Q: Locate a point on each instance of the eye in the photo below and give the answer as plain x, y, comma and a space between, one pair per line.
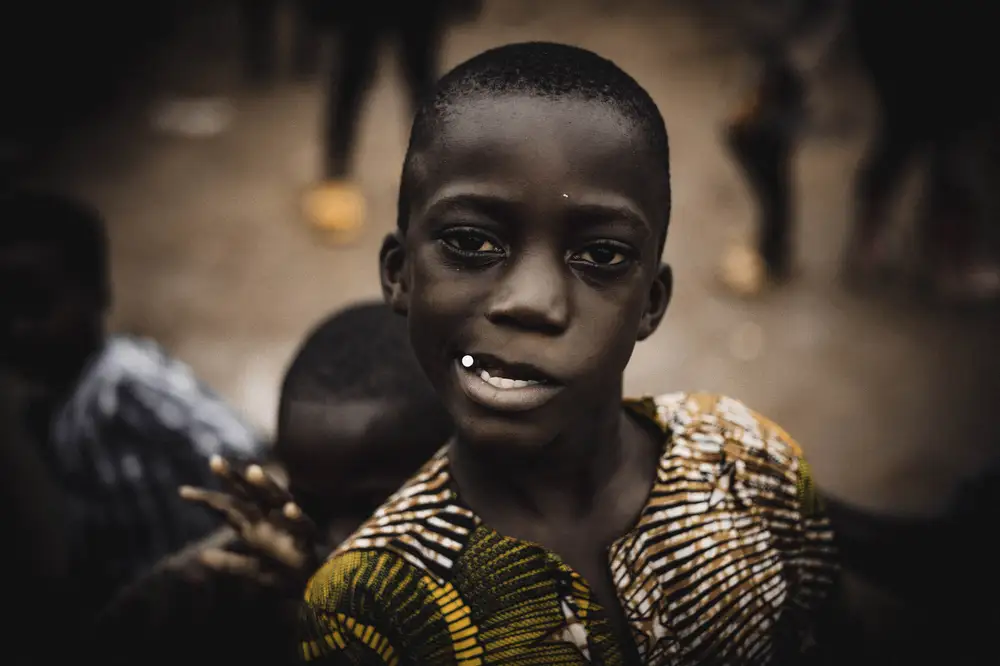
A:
470, 243
602, 255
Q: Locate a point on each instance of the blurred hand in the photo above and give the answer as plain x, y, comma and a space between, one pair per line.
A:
276, 544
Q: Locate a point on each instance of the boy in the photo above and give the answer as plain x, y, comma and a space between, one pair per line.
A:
559, 525
120, 423
356, 418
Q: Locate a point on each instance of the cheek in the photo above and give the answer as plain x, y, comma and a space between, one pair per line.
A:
442, 300
611, 335
429, 339
441, 288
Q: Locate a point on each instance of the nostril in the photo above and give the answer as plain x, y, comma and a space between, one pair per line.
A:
528, 321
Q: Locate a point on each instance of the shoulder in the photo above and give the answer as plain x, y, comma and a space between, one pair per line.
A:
361, 578
710, 413
129, 360
423, 522
730, 475
373, 605
128, 372
390, 582
100, 395
138, 382
711, 428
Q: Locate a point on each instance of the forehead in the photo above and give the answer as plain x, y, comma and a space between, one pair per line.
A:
539, 145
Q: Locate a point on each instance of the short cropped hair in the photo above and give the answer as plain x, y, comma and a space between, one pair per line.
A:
539, 69
363, 352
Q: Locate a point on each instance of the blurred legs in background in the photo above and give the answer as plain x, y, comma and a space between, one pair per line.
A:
336, 207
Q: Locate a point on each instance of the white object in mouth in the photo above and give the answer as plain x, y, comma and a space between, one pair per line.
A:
505, 382
503, 394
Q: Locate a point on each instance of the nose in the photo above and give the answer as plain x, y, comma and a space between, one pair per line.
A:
533, 295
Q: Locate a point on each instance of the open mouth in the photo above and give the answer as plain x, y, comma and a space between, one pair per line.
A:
504, 387
502, 375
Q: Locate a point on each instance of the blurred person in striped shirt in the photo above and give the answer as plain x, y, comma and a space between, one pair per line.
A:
120, 423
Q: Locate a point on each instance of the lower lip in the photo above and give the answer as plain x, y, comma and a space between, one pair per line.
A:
523, 399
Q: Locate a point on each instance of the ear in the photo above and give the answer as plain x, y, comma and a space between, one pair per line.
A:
392, 272
656, 303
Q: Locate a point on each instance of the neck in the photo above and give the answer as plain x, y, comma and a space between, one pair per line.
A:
565, 480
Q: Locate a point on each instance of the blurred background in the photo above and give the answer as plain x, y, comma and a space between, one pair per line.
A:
147, 111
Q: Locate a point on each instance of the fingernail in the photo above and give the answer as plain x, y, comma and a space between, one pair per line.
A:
255, 474
217, 463
292, 511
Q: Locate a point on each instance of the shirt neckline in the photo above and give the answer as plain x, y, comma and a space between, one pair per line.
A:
644, 409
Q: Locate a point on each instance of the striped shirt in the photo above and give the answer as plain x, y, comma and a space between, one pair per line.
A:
731, 562
137, 426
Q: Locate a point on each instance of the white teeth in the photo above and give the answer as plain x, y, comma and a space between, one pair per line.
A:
505, 383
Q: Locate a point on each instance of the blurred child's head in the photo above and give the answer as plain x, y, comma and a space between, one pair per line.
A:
533, 210
356, 418
53, 283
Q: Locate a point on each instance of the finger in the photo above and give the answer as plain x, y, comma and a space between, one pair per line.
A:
278, 546
233, 564
236, 512
283, 541
218, 465
266, 484
253, 485
298, 522
232, 479
186, 565
292, 511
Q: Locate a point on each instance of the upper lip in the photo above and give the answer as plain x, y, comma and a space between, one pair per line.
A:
516, 370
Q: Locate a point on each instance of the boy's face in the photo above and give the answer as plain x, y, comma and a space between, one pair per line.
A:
49, 322
344, 461
532, 247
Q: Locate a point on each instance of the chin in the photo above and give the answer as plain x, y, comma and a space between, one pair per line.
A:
503, 436
505, 420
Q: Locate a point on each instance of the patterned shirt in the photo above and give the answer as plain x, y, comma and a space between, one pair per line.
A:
137, 426
730, 562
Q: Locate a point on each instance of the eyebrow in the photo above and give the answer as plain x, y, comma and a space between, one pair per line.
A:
616, 211
597, 210
492, 204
